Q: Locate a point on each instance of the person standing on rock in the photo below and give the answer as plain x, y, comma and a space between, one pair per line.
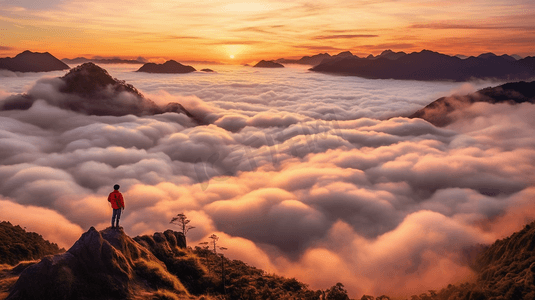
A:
117, 203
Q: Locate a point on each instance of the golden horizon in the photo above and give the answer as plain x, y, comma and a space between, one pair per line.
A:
263, 29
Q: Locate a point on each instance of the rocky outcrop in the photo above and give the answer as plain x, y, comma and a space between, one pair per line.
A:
439, 112
28, 61
169, 67
267, 64
100, 265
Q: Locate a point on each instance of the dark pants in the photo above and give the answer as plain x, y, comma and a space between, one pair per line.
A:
116, 214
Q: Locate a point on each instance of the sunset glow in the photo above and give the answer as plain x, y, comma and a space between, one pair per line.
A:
264, 29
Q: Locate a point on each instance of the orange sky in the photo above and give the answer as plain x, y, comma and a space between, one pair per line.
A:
263, 29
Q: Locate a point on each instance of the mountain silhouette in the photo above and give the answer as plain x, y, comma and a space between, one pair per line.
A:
268, 64
28, 61
169, 67
439, 111
90, 90
429, 65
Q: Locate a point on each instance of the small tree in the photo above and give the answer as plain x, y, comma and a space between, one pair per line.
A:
214, 238
182, 221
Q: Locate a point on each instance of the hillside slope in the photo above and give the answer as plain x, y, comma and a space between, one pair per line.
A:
17, 245
429, 66
506, 271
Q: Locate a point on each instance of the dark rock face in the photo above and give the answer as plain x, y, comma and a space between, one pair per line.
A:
100, 265
169, 67
429, 65
207, 70
439, 111
268, 64
28, 61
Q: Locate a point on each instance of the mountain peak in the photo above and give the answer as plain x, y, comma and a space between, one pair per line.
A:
344, 54
90, 80
487, 55
388, 51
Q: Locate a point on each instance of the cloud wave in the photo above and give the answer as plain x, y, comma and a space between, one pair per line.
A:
296, 179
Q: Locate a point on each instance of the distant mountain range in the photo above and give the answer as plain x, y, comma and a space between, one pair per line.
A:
424, 65
439, 111
81, 60
428, 65
169, 67
28, 61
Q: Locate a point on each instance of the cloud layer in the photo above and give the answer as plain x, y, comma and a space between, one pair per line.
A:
302, 174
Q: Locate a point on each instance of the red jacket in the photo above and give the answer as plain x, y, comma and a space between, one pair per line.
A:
116, 199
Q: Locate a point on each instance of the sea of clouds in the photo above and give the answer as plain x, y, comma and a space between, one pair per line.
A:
306, 175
